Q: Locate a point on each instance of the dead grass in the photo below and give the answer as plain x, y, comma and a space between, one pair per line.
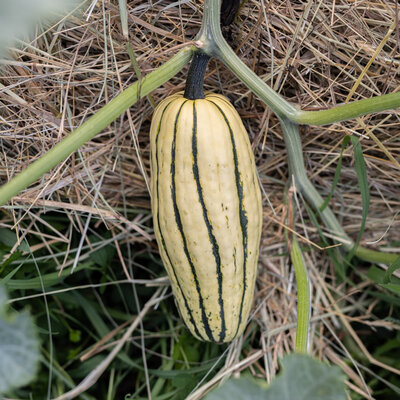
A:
313, 53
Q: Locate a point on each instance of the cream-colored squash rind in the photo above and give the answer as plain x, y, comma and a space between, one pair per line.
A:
207, 212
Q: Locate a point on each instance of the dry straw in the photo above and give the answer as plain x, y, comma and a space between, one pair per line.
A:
314, 53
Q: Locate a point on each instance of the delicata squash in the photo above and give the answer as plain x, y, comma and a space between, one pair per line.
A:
206, 207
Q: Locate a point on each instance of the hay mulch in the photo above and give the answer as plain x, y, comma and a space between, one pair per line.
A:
312, 53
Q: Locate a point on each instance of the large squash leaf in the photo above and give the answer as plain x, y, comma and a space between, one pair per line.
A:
19, 347
302, 378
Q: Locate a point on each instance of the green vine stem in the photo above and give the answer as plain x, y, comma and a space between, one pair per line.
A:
296, 168
95, 124
214, 44
303, 297
350, 110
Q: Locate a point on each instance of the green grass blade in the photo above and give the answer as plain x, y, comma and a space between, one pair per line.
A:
335, 179
393, 267
123, 15
303, 297
34, 283
93, 316
362, 178
393, 287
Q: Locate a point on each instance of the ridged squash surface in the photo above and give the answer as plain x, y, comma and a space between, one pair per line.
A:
207, 212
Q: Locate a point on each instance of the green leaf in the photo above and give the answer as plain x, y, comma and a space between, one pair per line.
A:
13, 257
48, 280
361, 171
204, 367
75, 335
104, 255
303, 297
243, 388
380, 277
93, 315
186, 349
392, 287
393, 267
362, 178
3, 302
185, 385
302, 378
9, 238
19, 347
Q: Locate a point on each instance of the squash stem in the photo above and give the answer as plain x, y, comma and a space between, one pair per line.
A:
195, 80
